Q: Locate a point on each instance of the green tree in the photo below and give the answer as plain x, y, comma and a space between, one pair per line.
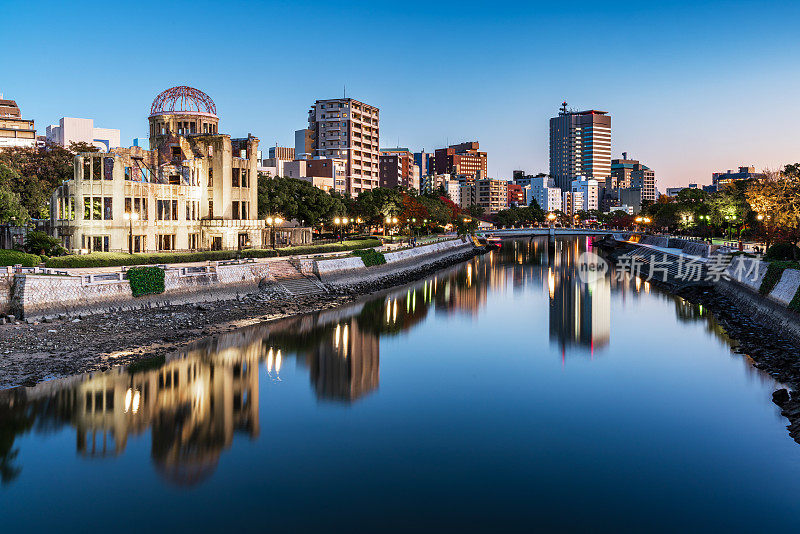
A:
11, 208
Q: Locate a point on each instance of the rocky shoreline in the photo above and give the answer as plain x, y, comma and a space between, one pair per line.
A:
766, 347
31, 353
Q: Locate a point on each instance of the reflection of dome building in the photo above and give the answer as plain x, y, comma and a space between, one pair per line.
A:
345, 366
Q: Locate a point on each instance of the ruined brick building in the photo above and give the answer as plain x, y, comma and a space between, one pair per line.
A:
196, 189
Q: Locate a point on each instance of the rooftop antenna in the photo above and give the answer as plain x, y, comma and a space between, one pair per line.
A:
344, 92
563, 108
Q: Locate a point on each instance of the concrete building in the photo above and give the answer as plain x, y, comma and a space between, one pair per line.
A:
721, 179
631, 196
282, 153
344, 128
514, 194
673, 191
397, 168
465, 159
547, 196
587, 190
489, 193
196, 189
626, 173
580, 145
74, 130
14, 130
444, 182
426, 163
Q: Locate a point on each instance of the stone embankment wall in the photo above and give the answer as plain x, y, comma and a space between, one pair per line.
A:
351, 270
37, 295
746, 277
6, 285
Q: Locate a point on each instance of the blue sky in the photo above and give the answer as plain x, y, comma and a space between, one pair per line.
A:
692, 87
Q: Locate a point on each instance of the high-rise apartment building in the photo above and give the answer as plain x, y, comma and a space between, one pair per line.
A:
489, 193
344, 128
14, 130
397, 168
464, 159
585, 194
627, 173
580, 146
515, 195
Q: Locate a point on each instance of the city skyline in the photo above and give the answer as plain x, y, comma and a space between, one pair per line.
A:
715, 99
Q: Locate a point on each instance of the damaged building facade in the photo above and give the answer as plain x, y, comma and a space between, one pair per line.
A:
196, 189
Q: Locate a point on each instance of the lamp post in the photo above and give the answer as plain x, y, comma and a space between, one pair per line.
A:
272, 221
551, 217
130, 216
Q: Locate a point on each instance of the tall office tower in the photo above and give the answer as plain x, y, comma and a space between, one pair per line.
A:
344, 128
463, 159
580, 146
627, 173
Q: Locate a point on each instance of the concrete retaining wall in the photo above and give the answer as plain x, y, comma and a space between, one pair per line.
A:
656, 241
786, 288
423, 250
747, 271
6, 286
328, 268
37, 296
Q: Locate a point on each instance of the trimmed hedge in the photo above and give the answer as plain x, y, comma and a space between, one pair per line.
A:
782, 251
115, 259
355, 244
370, 257
146, 280
16, 257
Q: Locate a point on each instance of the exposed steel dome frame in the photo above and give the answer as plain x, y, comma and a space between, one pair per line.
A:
183, 99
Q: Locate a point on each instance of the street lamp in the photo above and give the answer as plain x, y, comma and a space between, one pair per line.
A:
272, 221
130, 216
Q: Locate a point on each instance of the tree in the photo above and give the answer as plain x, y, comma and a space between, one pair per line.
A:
11, 208
776, 198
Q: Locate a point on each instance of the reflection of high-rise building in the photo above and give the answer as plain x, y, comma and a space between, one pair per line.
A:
579, 311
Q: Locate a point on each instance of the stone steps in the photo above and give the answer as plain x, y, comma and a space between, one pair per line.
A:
295, 282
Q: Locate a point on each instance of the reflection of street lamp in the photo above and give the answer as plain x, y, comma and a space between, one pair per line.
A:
131, 216
551, 217
272, 221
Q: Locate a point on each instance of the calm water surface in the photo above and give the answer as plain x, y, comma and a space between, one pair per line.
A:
500, 395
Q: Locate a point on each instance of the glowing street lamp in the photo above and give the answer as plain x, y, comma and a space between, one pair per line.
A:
272, 221
130, 216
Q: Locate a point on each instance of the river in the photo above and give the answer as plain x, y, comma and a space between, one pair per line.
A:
504, 394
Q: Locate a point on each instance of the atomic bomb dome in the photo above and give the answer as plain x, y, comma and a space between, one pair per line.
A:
183, 100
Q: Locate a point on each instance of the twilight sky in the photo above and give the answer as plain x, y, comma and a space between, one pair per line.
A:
692, 86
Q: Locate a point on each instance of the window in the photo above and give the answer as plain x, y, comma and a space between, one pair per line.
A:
174, 179
96, 168
210, 209
176, 153
97, 208
194, 241
127, 173
235, 177
210, 177
129, 205
87, 168
235, 210
174, 210
245, 178
244, 208
166, 242
108, 213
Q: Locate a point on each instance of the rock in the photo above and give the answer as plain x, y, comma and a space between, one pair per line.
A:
30, 321
11, 318
76, 320
780, 396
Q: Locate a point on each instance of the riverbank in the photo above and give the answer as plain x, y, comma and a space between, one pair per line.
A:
56, 348
763, 330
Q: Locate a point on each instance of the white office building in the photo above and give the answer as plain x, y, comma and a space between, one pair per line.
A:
73, 130
589, 192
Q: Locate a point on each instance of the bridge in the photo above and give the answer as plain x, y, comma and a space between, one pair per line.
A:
527, 232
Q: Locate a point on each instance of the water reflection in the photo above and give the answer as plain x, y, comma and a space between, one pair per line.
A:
195, 402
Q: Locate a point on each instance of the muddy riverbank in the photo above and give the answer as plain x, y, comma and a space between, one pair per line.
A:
30, 353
